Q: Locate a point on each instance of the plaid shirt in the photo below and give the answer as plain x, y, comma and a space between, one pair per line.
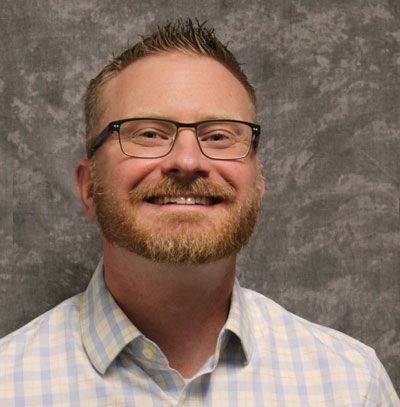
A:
85, 352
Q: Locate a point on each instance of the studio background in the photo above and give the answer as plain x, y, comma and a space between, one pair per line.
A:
327, 80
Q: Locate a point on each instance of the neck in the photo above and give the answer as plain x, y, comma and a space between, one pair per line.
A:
182, 308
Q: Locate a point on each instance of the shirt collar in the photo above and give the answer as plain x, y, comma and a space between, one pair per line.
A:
239, 322
106, 330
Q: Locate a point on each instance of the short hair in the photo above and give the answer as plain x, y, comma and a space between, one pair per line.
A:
187, 36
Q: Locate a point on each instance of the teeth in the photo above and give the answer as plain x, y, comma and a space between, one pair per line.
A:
182, 200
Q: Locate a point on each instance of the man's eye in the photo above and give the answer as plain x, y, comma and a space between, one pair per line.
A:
146, 137
217, 137
149, 134
214, 137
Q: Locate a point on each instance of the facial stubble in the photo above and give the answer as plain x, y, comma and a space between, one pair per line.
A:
177, 238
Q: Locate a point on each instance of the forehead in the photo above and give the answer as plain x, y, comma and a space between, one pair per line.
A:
179, 86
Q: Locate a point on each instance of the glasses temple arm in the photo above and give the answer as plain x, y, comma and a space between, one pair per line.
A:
256, 137
99, 140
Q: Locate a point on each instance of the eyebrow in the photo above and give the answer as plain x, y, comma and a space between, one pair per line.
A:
206, 117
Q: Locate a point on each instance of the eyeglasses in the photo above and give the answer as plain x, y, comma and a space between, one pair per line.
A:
155, 138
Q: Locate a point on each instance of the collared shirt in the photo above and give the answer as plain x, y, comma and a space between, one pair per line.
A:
86, 352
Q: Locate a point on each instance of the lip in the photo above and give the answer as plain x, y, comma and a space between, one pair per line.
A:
188, 203
186, 200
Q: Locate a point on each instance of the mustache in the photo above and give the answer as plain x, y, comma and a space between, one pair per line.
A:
199, 187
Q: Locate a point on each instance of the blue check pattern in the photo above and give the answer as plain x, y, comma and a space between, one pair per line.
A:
85, 352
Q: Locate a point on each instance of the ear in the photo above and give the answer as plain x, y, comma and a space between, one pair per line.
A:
261, 186
83, 183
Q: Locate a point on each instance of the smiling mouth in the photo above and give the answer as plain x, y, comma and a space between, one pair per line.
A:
183, 200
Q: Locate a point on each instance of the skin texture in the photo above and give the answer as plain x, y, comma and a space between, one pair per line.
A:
165, 299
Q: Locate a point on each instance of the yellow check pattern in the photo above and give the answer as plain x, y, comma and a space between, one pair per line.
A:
85, 352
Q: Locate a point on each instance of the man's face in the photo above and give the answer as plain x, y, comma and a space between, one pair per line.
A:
129, 192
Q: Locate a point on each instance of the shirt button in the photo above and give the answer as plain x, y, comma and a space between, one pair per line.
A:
149, 352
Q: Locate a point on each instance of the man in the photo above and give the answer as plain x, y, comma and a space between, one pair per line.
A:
173, 180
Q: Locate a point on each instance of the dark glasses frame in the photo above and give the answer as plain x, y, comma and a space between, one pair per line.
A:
115, 126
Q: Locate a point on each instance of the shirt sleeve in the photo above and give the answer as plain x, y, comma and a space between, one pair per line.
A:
386, 394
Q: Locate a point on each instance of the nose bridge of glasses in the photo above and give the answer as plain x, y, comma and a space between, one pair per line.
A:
180, 126
192, 127
186, 142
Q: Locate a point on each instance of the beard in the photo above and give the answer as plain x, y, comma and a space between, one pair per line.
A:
177, 238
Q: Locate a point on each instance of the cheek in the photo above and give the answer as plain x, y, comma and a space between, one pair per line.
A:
130, 172
241, 175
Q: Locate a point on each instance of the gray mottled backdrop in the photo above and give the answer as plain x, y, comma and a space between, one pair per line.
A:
327, 76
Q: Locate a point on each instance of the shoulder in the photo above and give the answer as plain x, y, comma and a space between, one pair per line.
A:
53, 328
300, 354
307, 344
274, 319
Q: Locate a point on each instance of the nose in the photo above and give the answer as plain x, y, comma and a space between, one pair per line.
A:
186, 161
